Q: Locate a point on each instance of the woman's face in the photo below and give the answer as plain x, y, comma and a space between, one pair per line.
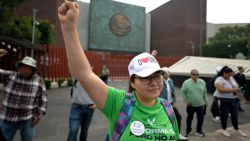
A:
148, 88
227, 75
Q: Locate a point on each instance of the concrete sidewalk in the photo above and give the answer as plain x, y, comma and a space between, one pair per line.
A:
217, 136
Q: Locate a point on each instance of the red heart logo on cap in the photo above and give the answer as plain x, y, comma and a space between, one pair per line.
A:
144, 60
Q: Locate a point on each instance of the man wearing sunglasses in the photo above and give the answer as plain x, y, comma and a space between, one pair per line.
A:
194, 94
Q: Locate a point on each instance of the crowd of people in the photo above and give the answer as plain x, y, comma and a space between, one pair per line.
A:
146, 112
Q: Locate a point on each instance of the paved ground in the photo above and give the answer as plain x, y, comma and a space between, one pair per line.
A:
54, 126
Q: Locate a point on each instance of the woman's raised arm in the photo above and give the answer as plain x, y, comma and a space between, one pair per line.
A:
79, 66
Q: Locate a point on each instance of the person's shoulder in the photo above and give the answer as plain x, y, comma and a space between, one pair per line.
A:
165, 80
219, 78
237, 74
187, 80
170, 79
114, 90
38, 79
36, 76
202, 81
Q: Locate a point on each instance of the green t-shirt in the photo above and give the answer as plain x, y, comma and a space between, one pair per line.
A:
146, 123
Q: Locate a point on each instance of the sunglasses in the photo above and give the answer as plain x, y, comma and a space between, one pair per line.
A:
195, 74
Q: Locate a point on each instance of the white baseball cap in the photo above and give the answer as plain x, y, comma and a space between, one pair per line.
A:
143, 65
28, 61
218, 69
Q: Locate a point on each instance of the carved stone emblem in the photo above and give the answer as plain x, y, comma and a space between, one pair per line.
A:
119, 24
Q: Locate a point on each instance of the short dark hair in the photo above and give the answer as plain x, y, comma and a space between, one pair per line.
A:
193, 71
225, 69
131, 79
240, 67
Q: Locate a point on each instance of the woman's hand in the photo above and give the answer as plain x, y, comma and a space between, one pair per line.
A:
2, 52
93, 107
68, 14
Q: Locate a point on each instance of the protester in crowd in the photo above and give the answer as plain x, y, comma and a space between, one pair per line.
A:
104, 74
25, 100
81, 113
215, 107
211, 87
226, 91
154, 52
148, 115
168, 93
241, 80
2, 52
194, 94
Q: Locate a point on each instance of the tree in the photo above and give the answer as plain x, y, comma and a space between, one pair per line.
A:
228, 42
47, 31
7, 9
22, 27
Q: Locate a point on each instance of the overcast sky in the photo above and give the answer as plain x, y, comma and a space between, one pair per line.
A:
218, 11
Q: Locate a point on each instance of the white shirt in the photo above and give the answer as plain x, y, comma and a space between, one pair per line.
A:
80, 96
226, 84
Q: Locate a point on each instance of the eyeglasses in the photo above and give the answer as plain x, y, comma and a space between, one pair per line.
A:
195, 74
157, 77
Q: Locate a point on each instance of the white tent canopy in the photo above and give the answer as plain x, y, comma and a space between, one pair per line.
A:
207, 65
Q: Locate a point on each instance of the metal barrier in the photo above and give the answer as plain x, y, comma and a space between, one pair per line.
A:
52, 62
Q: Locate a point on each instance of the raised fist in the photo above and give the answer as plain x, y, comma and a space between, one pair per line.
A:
2, 52
68, 12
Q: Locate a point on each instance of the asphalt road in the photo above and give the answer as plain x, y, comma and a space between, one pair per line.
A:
54, 126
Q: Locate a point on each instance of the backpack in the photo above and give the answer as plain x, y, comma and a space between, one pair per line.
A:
211, 87
126, 112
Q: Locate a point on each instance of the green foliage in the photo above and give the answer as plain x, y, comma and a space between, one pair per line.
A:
47, 84
60, 81
22, 27
47, 32
7, 8
228, 42
70, 82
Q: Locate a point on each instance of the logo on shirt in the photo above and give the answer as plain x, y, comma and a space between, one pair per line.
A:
151, 122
